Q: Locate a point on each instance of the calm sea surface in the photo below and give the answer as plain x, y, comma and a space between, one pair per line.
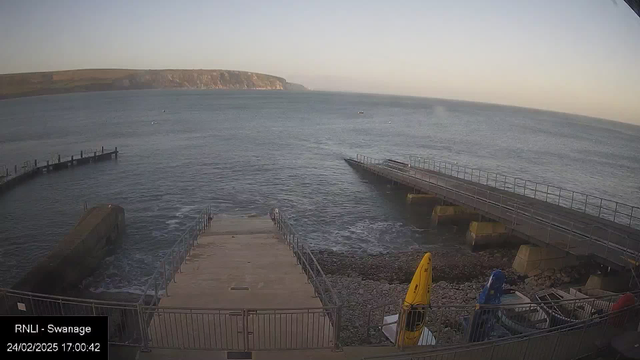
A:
244, 152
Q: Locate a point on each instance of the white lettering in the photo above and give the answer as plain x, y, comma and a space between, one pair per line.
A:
80, 330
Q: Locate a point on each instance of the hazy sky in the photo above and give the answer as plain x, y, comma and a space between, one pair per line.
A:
578, 56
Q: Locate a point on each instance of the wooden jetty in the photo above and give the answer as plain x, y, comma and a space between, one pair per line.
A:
28, 170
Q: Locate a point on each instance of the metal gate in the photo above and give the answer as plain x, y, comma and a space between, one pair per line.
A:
241, 329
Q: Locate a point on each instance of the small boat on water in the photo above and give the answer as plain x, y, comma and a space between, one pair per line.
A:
360, 112
522, 316
564, 308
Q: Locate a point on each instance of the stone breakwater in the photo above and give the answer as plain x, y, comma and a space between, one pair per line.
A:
364, 282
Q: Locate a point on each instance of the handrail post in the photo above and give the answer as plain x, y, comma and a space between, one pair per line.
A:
245, 330
164, 278
336, 327
546, 195
606, 251
402, 318
600, 210
155, 286
586, 201
143, 331
572, 194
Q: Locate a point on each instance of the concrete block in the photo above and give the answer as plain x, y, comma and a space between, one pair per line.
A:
482, 234
452, 214
531, 257
613, 283
78, 254
421, 198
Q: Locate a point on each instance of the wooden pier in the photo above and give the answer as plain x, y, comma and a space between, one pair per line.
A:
28, 170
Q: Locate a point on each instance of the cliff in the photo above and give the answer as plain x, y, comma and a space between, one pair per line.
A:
68, 81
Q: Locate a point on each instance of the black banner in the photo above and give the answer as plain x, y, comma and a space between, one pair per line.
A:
46, 337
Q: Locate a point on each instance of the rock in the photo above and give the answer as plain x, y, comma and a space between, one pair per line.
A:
472, 295
566, 279
530, 281
549, 272
535, 272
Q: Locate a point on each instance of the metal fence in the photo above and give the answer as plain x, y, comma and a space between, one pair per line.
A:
189, 328
573, 235
310, 266
616, 211
125, 325
569, 341
172, 261
305, 259
468, 328
147, 325
241, 329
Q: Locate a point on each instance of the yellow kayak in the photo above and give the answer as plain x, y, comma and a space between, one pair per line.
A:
417, 299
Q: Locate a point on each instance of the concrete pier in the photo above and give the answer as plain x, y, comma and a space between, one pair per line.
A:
580, 228
531, 257
482, 234
452, 214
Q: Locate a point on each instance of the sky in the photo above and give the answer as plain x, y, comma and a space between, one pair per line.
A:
576, 56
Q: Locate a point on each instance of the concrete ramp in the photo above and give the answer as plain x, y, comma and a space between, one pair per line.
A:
241, 288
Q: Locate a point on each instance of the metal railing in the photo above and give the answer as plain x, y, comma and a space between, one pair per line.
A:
616, 211
172, 261
569, 341
369, 160
567, 234
125, 323
241, 329
148, 327
311, 268
305, 259
460, 324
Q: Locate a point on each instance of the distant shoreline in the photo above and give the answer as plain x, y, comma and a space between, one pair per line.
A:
90, 80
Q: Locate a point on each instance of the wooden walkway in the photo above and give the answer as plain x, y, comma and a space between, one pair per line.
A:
28, 170
535, 220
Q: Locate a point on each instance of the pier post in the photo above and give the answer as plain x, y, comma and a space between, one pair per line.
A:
47, 165
35, 163
58, 157
7, 170
15, 170
80, 154
71, 160
116, 151
102, 150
